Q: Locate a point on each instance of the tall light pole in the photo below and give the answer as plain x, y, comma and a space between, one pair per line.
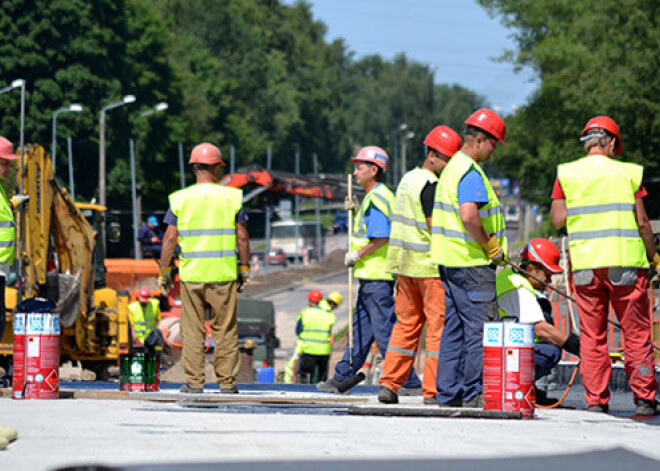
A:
409, 135
74, 107
162, 106
395, 160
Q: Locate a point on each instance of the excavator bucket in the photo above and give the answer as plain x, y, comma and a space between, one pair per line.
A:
68, 304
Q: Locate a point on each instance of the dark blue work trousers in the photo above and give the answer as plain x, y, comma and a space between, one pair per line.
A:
373, 319
470, 299
546, 357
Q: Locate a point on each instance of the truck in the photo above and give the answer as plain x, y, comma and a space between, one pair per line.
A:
295, 237
62, 260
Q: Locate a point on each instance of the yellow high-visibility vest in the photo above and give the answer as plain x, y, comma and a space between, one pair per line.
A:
316, 331
144, 321
7, 230
374, 265
206, 223
451, 245
601, 224
409, 251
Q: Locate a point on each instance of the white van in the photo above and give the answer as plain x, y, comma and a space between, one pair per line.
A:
295, 236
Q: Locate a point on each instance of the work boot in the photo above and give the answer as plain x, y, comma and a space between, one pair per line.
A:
329, 386
188, 390
542, 398
387, 396
410, 391
476, 402
229, 390
645, 407
457, 402
602, 408
430, 401
9, 433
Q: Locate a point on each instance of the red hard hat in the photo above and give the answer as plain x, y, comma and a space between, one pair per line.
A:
206, 154
489, 121
7, 149
608, 124
544, 252
144, 295
314, 296
374, 155
443, 139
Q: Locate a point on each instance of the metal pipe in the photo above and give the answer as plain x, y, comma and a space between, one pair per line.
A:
72, 189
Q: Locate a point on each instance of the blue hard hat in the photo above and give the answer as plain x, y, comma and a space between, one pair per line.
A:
153, 220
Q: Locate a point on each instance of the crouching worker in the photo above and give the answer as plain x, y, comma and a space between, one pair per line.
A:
521, 297
145, 315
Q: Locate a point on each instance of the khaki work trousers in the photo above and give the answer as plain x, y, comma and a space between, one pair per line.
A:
419, 301
221, 299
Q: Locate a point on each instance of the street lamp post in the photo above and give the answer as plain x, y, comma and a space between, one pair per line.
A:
395, 160
74, 107
124, 101
409, 135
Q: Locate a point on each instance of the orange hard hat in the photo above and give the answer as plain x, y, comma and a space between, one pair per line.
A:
443, 139
608, 124
7, 149
489, 121
544, 252
314, 296
144, 295
206, 154
374, 155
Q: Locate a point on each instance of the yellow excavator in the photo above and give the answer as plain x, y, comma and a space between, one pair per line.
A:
62, 260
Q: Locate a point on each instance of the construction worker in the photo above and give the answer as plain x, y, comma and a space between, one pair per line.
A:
520, 297
314, 331
467, 240
374, 314
150, 237
208, 222
419, 292
144, 314
7, 226
599, 200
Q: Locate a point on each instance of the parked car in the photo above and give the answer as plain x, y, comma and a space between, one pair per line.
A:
341, 222
276, 257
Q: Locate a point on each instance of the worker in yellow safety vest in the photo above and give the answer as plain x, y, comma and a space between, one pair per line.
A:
467, 240
420, 296
209, 224
599, 200
144, 314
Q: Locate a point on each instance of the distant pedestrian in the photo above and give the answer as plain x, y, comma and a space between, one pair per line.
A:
467, 240
599, 200
151, 237
420, 296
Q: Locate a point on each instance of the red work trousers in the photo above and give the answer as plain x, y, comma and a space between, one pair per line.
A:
631, 305
418, 301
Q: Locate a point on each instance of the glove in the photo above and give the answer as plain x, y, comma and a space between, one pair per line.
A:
493, 250
572, 345
155, 341
655, 263
18, 200
351, 258
165, 279
243, 277
351, 204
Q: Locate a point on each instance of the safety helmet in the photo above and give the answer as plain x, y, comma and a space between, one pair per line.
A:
7, 149
443, 139
544, 252
144, 295
489, 121
374, 155
608, 124
314, 296
206, 154
336, 297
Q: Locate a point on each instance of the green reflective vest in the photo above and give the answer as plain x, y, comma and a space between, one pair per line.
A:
206, 223
144, 322
409, 251
316, 331
508, 280
7, 230
325, 305
374, 265
451, 245
601, 224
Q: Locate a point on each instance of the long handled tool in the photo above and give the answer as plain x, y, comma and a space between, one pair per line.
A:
350, 271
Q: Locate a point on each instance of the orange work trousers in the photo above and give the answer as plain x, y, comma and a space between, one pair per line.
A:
418, 301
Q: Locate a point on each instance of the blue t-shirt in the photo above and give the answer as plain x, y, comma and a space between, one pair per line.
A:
378, 225
471, 189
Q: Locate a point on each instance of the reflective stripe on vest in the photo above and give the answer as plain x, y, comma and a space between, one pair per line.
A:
144, 322
600, 202
451, 245
409, 252
316, 331
206, 224
7, 231
374, 265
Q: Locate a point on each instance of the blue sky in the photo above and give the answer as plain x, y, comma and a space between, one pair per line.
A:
456, 38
